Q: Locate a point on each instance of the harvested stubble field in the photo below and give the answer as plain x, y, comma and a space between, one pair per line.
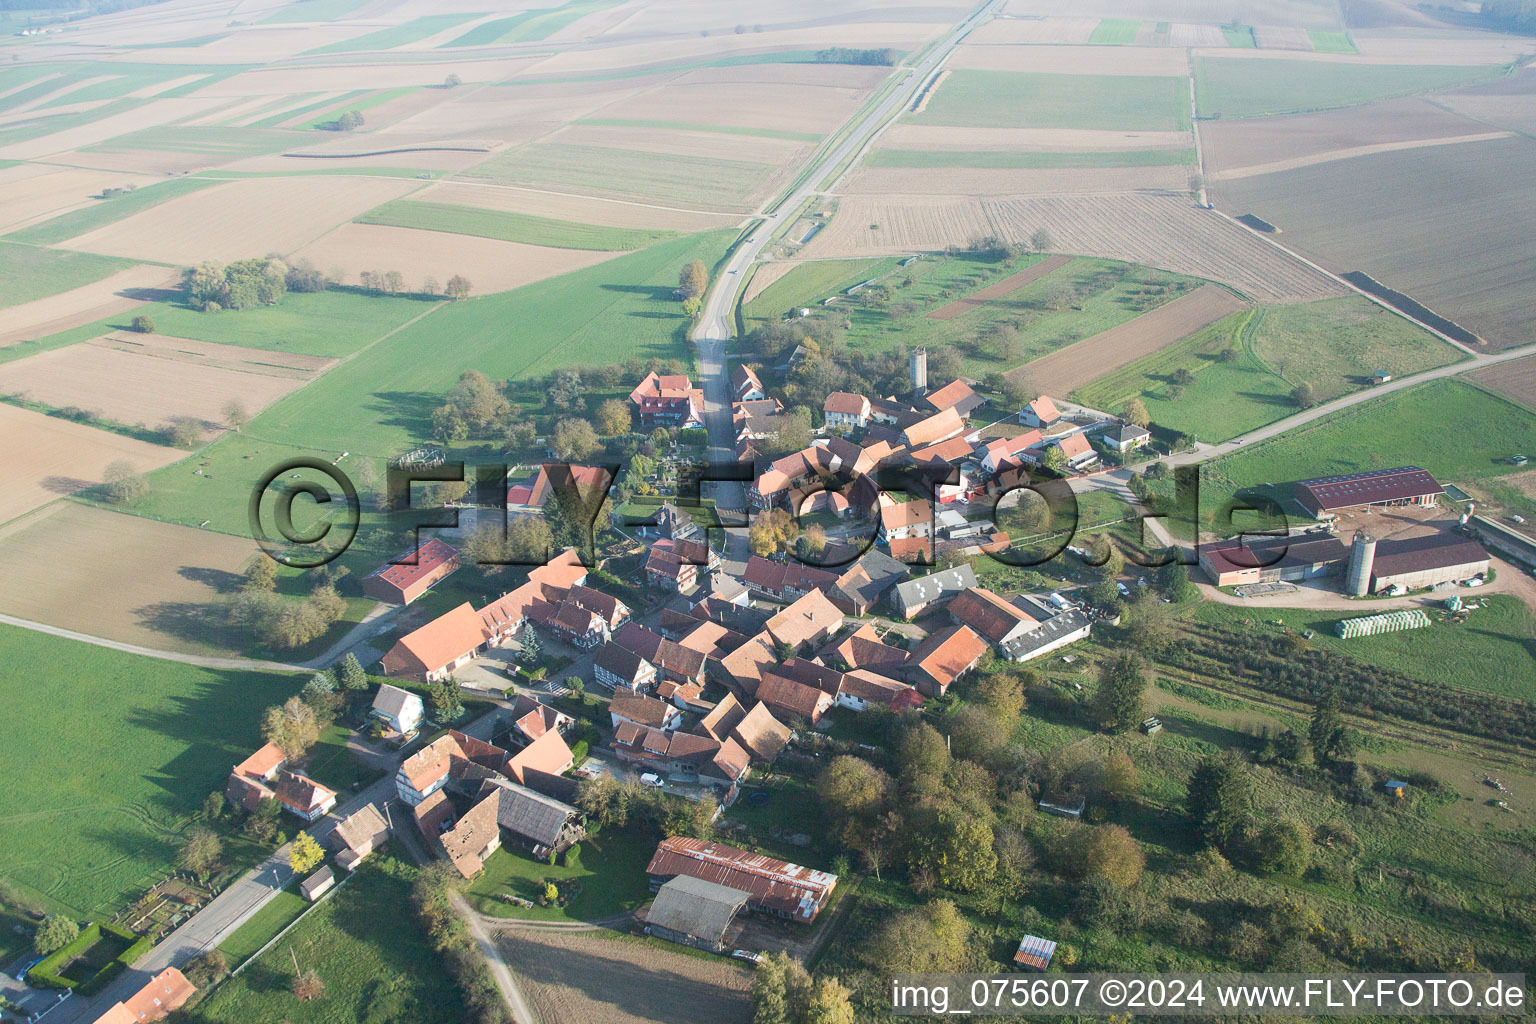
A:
1508, 102
149, 379
243, 218
1025, 181
46, 458
30, 192
1070, 368
1304, 13
706, 183
1165, 231
1028, 31
1516, 379
1450, 226
995, 291
100, 212
616, 213
686, 142
491, 264
1072, 60
979, 99
1246, 147
946, 138
598, 980
121, 576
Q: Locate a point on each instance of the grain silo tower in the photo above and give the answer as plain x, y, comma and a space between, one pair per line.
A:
1362, 558
918, 363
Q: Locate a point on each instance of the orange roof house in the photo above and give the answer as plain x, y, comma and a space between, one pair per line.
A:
941, 426
1039, 413
943, 657
809, 620
431, 653
548, 754
989, 615
957, 395
166, 992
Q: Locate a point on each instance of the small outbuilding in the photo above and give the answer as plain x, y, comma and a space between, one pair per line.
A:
695, 912
1396, 788
318, 884
1035, 952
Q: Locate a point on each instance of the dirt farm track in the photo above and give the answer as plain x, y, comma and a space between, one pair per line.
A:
585, 977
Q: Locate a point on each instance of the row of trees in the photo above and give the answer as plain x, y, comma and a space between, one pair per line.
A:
392, 282
285, 622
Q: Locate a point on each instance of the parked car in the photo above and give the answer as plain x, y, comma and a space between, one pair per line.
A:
1124, 590
747, 955
651, 779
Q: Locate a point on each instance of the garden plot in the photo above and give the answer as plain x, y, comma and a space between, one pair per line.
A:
1159, 231
490, 264
149, 378
246, 218
46, 458
1068, 369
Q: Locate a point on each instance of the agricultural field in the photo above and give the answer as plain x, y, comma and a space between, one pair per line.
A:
510, 227
490, 264
117, 293
242, 218
1516, 379
1490, 652
371, 973
1016, 159
804, 283
93, 821
592, 977
983, 99
153, 379
396, 35
30, 193
104, 211
706, 183
1063, 371
1448, 225
1451, 428
32, 273
47, 457
380, 403
1274, 349
1161, 231
1228, 88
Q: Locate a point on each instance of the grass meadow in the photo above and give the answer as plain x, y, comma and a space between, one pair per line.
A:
708, 183
1333, 345
107, 757
607, 873
529, 26
206, 140
1231, 87
1491, 652
808, 283
510, 226
1013, 99
313, 10
30, 272
373, 974
1115, 32
380, 403
397, 35
331, 324
106, 211
1452, 429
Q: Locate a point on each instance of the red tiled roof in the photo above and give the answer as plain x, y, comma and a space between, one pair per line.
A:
846, 403
1044, 409
950, 395
807, 620
446, 638
788, 889
987, 614
907, 514
795, 698
547, 754
428, 558
268, 758
938, 427
1378, 485
947, 653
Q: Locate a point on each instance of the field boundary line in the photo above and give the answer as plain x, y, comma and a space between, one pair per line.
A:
195, 660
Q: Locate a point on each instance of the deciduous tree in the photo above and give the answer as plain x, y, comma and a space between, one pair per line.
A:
1135, 411
235, 416
458, 287
291, 726
54, 934
124, 485
612, 417
693, 279
305, 855
201, 852
574, 439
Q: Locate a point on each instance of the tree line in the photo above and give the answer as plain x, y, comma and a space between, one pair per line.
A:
882, 57
244, 284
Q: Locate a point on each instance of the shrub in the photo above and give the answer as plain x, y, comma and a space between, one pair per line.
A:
143, 324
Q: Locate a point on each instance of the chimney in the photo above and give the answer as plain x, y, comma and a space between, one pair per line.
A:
918, 363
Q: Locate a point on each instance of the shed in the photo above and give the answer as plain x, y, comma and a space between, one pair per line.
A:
1396, 788
695, 912
317, 884
1035, 952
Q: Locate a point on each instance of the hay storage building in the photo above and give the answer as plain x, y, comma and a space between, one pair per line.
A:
1378, 488
695, 912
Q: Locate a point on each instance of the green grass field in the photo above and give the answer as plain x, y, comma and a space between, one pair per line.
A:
697, 182
396, 35
1011, 99
1115, 32
529, 26
33, 273
1491, 652
330, 323
286, 111
1015, 159
1231, 87
378, 98
106, 211
281, 911
1110, 297
610, 870
511, 227
313, 10
369, 951
104, 773
1331, 42
1240, 37
1334, 345
809, 283
1454, 430
380, 403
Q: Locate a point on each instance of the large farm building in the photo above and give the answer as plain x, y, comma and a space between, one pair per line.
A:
1378, 488
1373, 566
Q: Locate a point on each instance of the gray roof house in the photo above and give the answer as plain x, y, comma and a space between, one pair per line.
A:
540, 821
694, 912
911, 597
1050, 634
400, 709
